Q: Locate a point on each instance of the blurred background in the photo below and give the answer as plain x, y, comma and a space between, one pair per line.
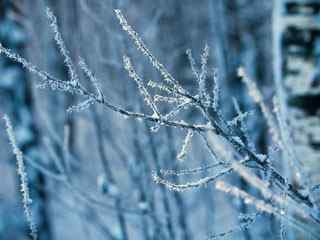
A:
110, 193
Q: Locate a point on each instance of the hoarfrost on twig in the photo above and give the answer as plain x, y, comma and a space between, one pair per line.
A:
26, 199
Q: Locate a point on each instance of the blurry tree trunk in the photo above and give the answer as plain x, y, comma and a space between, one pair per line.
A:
15, 83
297, 39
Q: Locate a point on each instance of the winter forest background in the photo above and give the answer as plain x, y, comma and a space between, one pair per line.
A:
228, 142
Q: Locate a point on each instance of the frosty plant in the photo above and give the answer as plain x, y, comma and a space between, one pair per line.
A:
24, 188
227, 140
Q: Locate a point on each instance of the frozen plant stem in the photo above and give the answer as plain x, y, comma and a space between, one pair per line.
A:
186, 146
26, 199
263, 206
62, 48
256, 95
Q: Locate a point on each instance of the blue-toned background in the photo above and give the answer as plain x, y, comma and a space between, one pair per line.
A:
110, 193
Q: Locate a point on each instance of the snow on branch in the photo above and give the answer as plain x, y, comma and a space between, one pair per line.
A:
185, 146
216, 89
258, 98
260, 205
204, 72
145, 51
24, 188
193, 64
269, 208
194, 184
83, 65
74, 80
191, 171
81, 106
144, 92
48, 81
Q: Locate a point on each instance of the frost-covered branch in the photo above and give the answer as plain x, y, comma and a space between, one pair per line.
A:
63, 49
269, 208
24, 185
258, 98
167, 77
185, 146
